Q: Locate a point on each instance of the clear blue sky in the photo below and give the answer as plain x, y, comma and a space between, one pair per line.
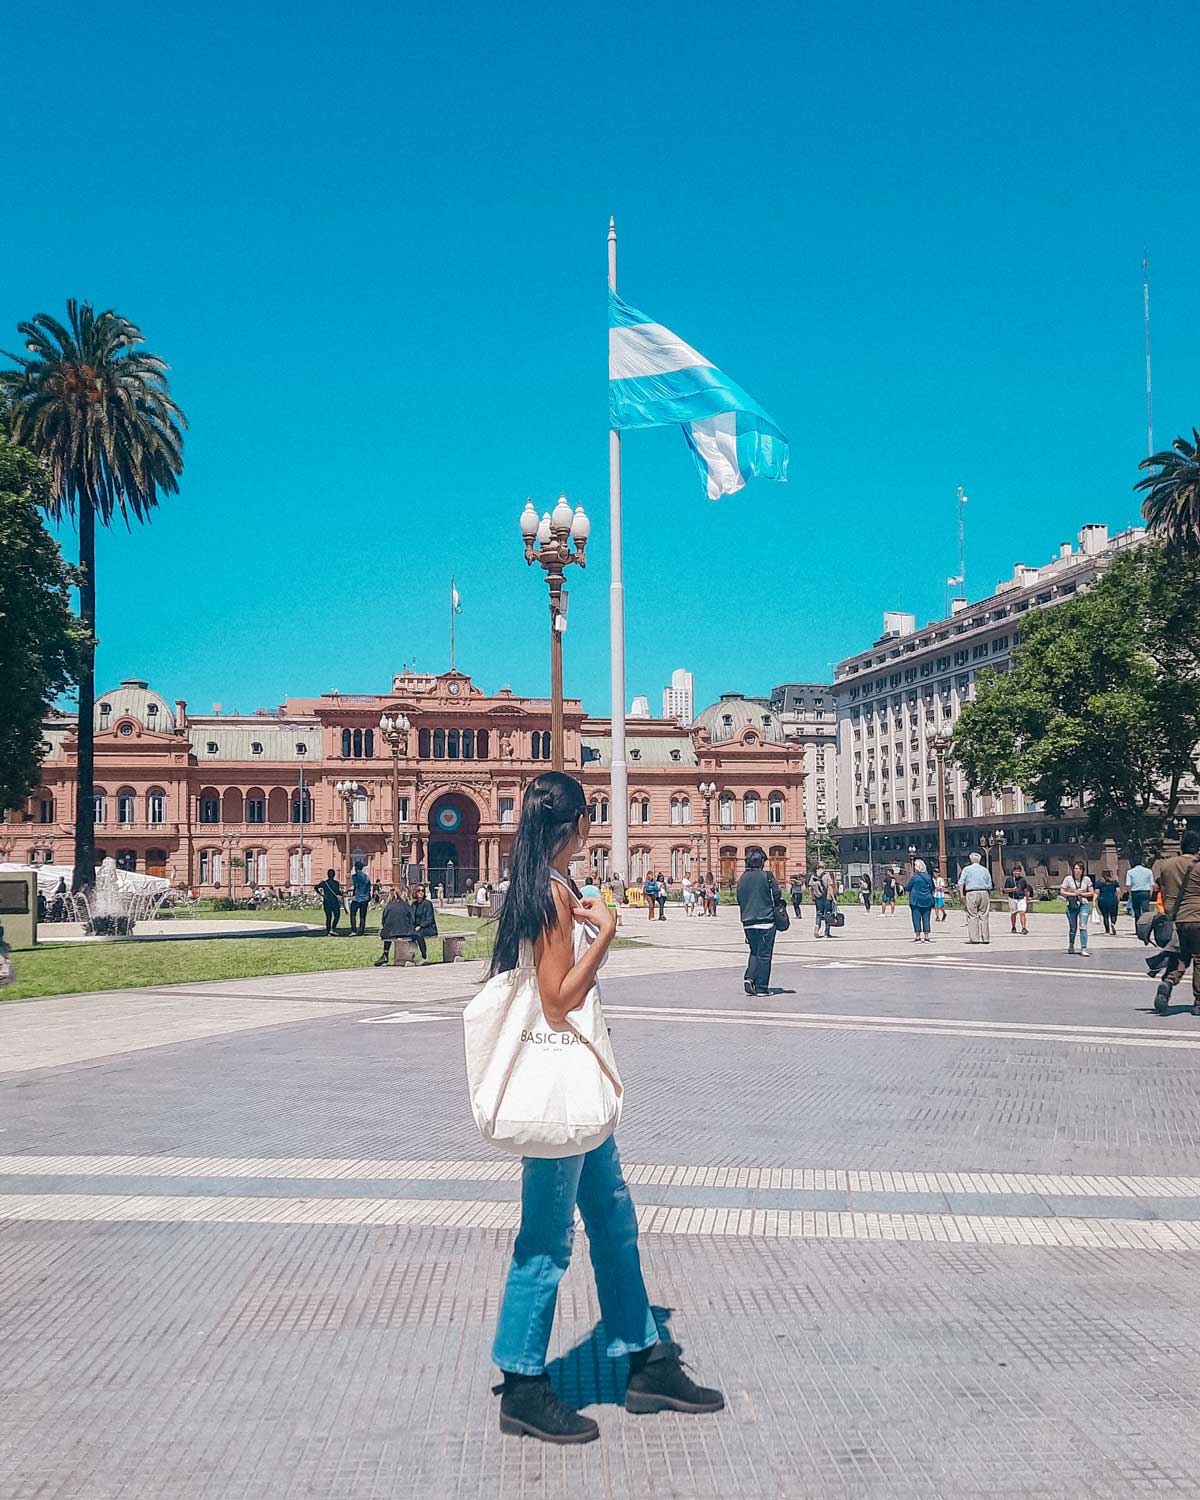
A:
370, 240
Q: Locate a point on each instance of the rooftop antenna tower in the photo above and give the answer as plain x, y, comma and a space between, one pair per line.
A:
960, 582
1149, 386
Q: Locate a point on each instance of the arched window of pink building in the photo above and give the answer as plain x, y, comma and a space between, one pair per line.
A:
302, 811
423, 743
126, 805
725, 810
468, 744
277, 805
231, 805
481, 744
439, 744
453, 745
209, 802
156, 807
750, 809
256, 805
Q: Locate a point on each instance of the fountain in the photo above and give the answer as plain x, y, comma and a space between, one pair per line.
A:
117, 901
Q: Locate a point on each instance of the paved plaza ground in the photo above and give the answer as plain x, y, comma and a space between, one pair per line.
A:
931, 1217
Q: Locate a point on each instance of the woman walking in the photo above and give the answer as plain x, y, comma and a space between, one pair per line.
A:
796, 891
650, 893
712, 893
568, 938
866, 887
888, 894
660, 895
1108, 898
1077, 891
920, 900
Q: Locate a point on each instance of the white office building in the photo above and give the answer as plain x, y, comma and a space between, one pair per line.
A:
679, 700
809, 717
909, 686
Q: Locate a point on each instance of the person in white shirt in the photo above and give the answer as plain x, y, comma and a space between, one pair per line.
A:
1078, 892
689, 897
1139, 882
975, 883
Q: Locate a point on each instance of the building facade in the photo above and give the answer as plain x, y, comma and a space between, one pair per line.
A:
217, 803
910, 686
808, 715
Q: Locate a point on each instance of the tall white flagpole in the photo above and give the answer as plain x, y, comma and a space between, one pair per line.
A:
616, 607
452, 622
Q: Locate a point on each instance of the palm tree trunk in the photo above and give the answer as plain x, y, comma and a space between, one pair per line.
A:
84, 875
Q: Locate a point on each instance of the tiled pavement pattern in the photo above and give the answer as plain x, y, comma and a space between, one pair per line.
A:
932, 1222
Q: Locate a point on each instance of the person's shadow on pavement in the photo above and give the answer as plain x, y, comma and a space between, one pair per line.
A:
586, 1376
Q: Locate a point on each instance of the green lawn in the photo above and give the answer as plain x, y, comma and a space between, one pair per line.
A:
72, 968
69, 968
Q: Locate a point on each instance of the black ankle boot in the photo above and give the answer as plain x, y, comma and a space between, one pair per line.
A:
657, 1382
531, 1407
1162, 998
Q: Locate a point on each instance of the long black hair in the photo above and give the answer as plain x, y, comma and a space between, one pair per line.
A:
550, 814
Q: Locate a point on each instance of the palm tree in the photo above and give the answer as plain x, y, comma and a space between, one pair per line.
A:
1172, 503
99, 412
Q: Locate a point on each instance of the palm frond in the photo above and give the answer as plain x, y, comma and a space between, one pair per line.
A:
1172, 504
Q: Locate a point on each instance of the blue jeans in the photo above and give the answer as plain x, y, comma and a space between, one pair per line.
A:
1077, 921
550, 1190
920, 918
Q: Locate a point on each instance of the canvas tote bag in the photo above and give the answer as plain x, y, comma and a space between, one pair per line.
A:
534, 1090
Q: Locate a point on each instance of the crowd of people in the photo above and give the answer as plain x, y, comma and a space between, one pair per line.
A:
928, 895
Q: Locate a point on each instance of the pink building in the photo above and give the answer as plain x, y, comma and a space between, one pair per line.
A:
220, 802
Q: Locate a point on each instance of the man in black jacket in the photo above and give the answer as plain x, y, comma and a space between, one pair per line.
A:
758, 896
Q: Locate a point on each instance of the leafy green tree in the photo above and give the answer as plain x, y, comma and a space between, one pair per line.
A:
99, 411
42, 645
1172, 503
1101, 705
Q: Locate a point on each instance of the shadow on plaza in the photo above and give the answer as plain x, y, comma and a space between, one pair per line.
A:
586, 1376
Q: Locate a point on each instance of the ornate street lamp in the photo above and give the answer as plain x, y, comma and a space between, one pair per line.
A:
394, 728
347, 791
228, 845
548, 542
708, 790
940, 745
912, 854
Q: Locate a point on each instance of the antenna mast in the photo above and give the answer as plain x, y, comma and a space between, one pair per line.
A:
1149, 386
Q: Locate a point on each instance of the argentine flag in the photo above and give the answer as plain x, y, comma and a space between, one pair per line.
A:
656, 380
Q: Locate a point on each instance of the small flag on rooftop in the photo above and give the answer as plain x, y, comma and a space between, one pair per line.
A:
656, 380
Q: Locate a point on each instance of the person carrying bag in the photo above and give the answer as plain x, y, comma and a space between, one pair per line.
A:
1175, 933
544, 1083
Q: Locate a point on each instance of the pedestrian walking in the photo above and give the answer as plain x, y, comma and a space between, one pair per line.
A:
650, 895
660, 895
759, 898
939, 897
1139, 882
822, 888
360, 899
1179, 886
919, 887
866, 888
1078, 892
1019, 893
396, 923
712, 894
975, 883
1108, 900
688, 891
796, 892
332, 896
567, 938
425, 919
888, 893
